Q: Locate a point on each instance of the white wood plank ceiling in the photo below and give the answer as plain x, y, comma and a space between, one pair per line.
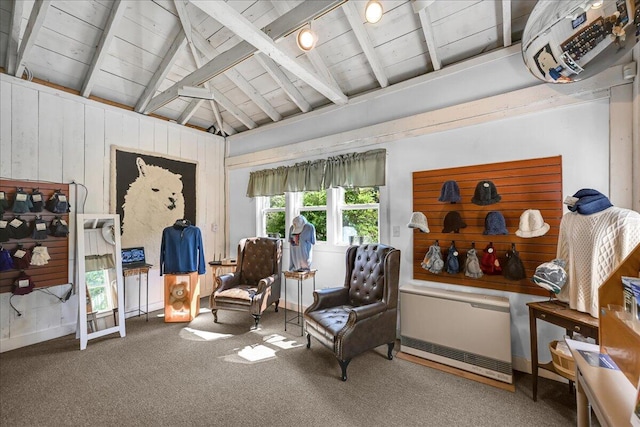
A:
243, 53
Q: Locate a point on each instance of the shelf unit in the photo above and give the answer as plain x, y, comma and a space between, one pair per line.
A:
616, 338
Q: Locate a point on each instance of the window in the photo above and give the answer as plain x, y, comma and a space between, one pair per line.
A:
314, 208
274, 216
337, 214
100, 290
359, 214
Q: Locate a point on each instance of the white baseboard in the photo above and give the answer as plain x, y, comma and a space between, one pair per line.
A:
36, 337
522, 364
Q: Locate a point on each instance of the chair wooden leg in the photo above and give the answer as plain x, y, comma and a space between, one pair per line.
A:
343, 366
308, 340
390, 349
215, 315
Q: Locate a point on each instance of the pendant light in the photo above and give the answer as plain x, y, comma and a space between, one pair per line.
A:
373, 11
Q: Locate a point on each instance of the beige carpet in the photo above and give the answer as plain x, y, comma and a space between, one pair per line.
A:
204, 373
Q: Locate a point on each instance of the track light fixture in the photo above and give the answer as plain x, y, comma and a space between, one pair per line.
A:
306, 39
373, 11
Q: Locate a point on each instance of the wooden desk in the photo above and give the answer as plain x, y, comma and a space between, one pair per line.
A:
607, 391
557, 313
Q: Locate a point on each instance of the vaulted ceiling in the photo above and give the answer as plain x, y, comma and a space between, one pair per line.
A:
241, 55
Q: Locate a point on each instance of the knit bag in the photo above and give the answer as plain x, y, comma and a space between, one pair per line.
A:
39, 229
4, 203
489, 263
21, 257
433, 259
453, 263
59, 227
513, 267
37, 200
21, 202
22, 285
6, 263
58, 203
472, 265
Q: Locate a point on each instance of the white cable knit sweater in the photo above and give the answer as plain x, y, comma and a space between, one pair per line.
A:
593, 246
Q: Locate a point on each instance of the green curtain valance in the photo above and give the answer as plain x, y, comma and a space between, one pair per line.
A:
99, 262
348, 170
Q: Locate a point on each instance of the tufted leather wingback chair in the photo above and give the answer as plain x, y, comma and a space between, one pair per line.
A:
362, 314
256, 281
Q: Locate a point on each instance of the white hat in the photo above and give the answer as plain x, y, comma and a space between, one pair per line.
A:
298, 224
532, 224
418, 220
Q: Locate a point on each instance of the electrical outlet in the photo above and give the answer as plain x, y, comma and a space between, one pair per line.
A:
396, 231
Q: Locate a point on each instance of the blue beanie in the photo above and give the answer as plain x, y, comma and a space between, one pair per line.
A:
494, 223
450, 192
589, 202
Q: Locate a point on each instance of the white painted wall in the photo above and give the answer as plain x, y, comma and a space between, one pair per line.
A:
575, 126
49, 135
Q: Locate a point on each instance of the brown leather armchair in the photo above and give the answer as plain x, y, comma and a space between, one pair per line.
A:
256, 282
362, 314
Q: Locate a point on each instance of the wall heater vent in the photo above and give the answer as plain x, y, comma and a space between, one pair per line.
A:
464, 330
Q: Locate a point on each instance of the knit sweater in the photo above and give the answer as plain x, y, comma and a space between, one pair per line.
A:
593, 246
181, 250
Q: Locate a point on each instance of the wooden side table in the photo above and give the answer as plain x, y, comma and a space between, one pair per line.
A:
138, 271
557, 313
299, 276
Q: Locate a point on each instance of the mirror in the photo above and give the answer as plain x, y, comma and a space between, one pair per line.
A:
568, 41
100, 276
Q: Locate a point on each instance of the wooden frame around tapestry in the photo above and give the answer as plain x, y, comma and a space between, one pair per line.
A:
525, 184
150, 192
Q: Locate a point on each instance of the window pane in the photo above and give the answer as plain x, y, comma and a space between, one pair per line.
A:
360, 222
275, 223
276, 201
315, 198
319, 221
361, 196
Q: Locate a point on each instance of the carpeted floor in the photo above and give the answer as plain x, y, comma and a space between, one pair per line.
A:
204, 373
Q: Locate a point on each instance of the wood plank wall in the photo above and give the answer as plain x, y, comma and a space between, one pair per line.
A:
526, 184
56, 271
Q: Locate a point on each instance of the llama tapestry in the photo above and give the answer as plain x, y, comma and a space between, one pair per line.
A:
150, 193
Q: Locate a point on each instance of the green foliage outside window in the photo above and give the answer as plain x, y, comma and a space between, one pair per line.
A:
317, 218
276, 223
365, 221
98, 289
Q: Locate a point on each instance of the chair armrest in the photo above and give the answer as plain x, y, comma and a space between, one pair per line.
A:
226, 281
331, 297
357, 314
265, 283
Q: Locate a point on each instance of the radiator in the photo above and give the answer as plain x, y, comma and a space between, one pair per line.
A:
464, 330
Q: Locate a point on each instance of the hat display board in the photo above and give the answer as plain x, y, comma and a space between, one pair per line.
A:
532, 184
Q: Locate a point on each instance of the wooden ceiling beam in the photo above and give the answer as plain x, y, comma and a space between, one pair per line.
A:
283, 81
282, 7
279, 28
420, 7
355, 21
13, 41
117, 10
161, 73
183, 15
36, 19
506, 22
241, 26
236, 78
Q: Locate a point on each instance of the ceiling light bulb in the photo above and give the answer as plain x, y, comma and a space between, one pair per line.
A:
373, 11
596, 4
306, 39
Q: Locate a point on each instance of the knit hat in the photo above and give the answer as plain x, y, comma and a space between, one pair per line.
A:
494, 223
453, 222
450, 192
589, 202
419, 221
551, 275
532, 224
486, 194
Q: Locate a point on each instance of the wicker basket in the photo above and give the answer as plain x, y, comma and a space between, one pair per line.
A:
564, 365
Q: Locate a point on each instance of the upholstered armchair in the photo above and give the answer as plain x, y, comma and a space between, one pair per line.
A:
255, 285
362, 314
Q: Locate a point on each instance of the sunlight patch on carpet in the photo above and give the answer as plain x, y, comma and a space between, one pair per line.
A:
257, 353
197, 335
281, 342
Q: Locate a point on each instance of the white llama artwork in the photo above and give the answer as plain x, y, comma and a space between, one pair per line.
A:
153, 202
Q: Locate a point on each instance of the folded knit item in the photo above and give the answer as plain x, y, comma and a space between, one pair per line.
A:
40, 255
589, 202
21, 258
